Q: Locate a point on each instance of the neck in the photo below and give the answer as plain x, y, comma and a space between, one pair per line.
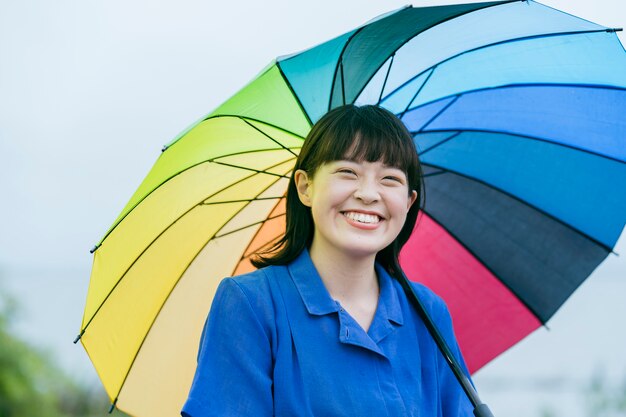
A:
346, 277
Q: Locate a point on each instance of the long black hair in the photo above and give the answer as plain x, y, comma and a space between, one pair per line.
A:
367, 133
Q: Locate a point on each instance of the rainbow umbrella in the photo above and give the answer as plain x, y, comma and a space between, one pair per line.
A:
518, 113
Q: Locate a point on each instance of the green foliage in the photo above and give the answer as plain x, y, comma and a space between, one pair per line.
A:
604, 399
30, 383
548, 412
601, 397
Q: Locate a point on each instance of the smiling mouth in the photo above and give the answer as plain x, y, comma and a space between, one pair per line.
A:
362, 217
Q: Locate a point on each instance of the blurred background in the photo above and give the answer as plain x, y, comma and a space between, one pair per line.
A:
89, 93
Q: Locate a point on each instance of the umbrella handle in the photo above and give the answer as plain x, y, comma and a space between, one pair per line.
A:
480, 409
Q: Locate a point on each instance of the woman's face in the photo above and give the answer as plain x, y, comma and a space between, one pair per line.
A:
358, 208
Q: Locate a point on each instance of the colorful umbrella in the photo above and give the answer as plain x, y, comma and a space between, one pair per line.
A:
517, 111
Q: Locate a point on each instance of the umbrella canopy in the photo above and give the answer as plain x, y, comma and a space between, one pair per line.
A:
517, 112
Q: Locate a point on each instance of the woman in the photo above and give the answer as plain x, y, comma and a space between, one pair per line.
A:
323, 328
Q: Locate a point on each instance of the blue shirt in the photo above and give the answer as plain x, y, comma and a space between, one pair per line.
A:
276, 344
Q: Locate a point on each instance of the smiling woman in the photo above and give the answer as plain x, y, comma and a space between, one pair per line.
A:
324, 327
352, 139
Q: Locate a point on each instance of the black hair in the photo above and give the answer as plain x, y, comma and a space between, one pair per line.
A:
367, 133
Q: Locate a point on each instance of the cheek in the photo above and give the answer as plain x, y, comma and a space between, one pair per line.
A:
399, 203
322, 208
334, 195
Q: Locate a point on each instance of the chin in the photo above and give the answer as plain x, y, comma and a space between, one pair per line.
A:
360, 251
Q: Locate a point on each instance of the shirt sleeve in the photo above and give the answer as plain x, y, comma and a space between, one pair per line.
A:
454, 401
233, 377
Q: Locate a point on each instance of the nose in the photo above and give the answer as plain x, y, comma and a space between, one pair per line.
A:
367, 191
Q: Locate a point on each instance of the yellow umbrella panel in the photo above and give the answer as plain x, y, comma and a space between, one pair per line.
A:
213, 197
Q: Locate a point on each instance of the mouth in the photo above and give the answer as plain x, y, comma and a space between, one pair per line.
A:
365, 218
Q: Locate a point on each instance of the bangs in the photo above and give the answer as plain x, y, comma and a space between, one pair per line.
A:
375, 148
368, 135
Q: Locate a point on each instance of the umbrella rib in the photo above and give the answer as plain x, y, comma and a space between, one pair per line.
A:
525, 203
258, 171
419, 90
424, 30
174, 176
252, 240
535, 138
240, 117
341, 55
382, 90
339, 65
520, 85
479, 260
269, 137
245, 200
170, 293
234, 116
154, 240
434, 174
438, 144
439, 113
520, 39
343, 83
247, 226
293, 92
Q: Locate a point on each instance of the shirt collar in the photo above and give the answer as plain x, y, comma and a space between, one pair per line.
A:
388, 301
318, 301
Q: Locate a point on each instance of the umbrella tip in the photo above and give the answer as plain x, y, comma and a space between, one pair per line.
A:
92, 250
112, 406
164, 148
79, 336
613, 30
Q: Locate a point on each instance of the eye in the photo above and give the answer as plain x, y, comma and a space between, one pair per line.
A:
346, 171
393, 179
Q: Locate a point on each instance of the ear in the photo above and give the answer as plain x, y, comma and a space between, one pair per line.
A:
412, 199
303, 185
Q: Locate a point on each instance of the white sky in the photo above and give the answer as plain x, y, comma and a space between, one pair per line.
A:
91, 90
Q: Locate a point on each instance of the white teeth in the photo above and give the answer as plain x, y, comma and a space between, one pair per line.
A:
362, 217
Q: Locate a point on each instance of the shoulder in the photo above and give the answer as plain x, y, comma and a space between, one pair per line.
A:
250, 283
254, 285
255, 292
